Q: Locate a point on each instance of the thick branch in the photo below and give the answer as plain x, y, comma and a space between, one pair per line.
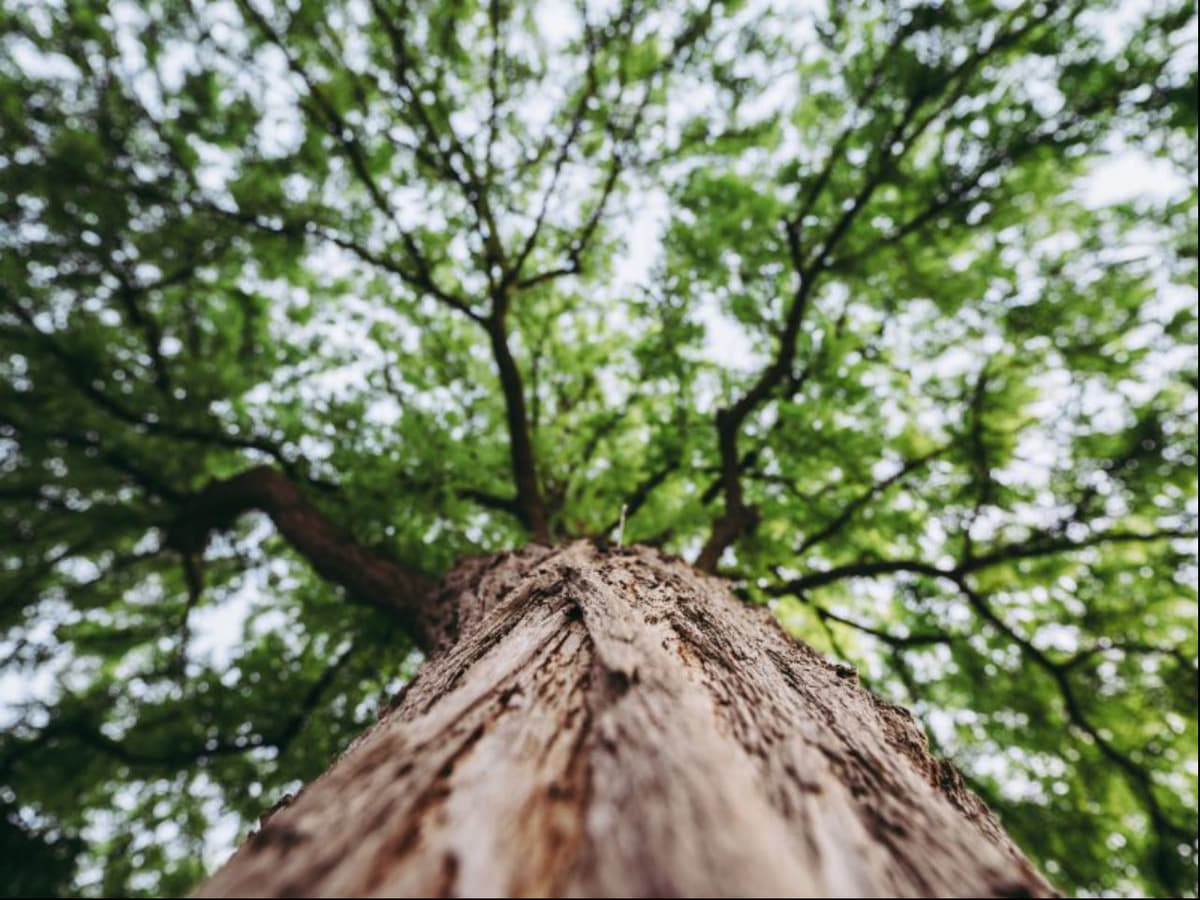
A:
333, 553
524, 464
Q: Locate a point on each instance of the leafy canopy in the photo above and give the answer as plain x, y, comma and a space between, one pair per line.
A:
853, 302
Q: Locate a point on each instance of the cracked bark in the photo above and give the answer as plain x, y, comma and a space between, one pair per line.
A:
614, 723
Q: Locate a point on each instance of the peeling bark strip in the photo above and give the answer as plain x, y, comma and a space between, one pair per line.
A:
617, 724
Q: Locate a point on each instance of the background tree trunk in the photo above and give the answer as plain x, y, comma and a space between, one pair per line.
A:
616, 723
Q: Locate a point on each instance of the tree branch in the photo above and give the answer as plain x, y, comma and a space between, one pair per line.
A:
851, 509
332, 552
905, 132
1137, 777
524, 464
881, 567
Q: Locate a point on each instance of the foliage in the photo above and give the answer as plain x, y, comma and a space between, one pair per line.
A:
848, 300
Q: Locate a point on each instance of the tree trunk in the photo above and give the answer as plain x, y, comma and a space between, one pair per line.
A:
597, 723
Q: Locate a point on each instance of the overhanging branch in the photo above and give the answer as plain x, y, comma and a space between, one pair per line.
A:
333, 553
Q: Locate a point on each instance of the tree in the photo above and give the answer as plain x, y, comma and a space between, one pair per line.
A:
355, 348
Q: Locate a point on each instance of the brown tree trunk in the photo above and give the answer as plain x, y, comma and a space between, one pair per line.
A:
598, 723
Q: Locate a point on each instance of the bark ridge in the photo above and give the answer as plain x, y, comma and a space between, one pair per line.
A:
615, 723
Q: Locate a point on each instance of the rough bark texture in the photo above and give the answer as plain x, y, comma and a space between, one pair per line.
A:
599, 723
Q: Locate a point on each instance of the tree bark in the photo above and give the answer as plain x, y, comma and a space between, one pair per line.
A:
615, 723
